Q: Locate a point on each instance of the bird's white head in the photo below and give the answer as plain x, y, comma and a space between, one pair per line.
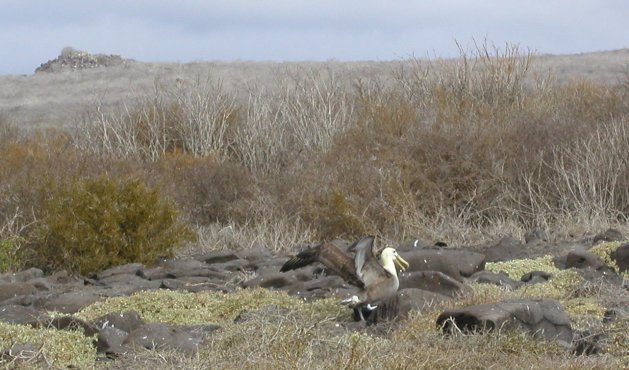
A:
389, 258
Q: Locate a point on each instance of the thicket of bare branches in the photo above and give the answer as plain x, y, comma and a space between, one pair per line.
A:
441, 148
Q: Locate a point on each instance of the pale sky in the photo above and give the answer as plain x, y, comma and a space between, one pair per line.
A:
32, 32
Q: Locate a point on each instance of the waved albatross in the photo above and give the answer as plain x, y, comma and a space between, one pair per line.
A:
375, 277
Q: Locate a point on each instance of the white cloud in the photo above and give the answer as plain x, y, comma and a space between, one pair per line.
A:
166, 30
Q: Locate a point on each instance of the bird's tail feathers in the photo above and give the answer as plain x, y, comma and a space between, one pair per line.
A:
302, 259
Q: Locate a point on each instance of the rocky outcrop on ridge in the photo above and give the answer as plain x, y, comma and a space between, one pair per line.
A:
71, 60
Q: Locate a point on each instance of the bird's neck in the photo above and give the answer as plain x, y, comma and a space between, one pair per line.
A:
387, 264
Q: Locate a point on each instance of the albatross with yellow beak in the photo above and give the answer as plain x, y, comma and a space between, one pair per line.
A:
375, 277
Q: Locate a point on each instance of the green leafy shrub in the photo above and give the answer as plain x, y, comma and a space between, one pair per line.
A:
9, 260
94, 223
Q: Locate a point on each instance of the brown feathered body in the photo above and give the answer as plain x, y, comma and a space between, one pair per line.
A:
375, 277
332, 257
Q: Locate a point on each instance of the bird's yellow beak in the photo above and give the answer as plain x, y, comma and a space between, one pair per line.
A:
401, 263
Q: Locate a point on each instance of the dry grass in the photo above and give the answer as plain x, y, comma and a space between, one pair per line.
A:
265, 329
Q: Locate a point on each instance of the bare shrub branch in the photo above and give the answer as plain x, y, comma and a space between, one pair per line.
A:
261, 142
204, 112
318, 106
191, 117
592, 174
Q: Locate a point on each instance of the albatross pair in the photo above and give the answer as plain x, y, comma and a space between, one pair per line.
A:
375, 277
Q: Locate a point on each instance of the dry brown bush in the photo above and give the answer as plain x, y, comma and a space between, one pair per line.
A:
28, 164
588, 177
191, 116
33, 161
207, 190
294, 121
472, 140
451, 145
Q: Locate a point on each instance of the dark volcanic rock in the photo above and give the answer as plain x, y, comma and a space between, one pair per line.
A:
508, 248
278, 280
610, 235
128, 269
217, 257
31, 300
123, 279
535, 277
433, 281
272, 266
62, 277
195, 287
540, 317
414, 244
436, 275
257, 253
455, 263
535, 236
583, 259
235, 265
161, 336
127, 321
117, 285
22, 276
175, 269
399, 306
318, 288
621, 257
154, 273
207, 272
15, 314
110, 341
68, 323
70, 302
615, 313
12, 290
41, 284
38, 319
184, 264
604, 275
589, 266
500, 279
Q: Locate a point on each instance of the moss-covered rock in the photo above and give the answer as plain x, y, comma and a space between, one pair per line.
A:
560, 284
584, 311
174, 307
59, 348
618, 337
605, 250
516, 268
